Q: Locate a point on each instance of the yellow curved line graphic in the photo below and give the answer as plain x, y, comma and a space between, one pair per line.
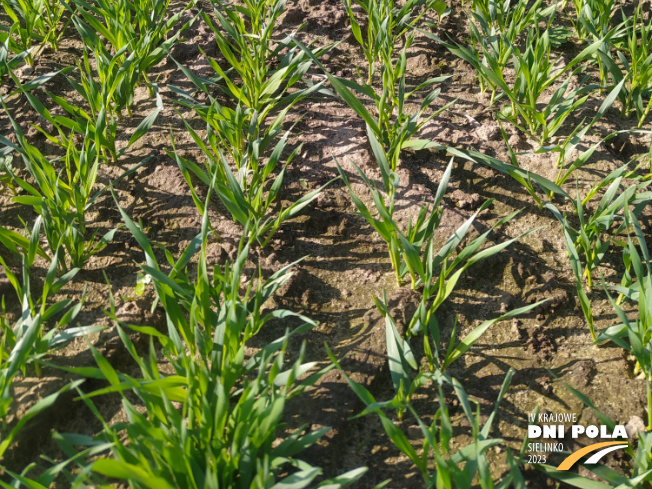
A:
574, 457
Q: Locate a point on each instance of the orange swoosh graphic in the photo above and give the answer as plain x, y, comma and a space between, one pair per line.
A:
574, 457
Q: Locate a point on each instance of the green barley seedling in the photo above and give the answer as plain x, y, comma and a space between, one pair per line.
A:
402, 359
392, 130
493, 47
597, 22
137, 31
439, 465
114, 78
261, 84
635, 335
500, 25
61, 197
566, 165
99, 120
239, 133
247, 195
216, 435
251, 144
35, 24
21, 245
387, 28
6, 168
530, 180
24, 343
211, 300
439, 274
637, 69
578, 6
53, 18
509, 19
58, 469
536, 72
259, 76
594, 19
417, 233
624, 171
7, 64
596, 250
386, 24
124, 23
111, 19
411, 251
118, 72
596, 234
598, 230
32, 24
231, 400
567, 146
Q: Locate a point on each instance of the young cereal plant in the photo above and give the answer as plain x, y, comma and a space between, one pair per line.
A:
567, 146
637, 69
34, 21
259, 76
6, 168
635, 335
567, 166
500, 25
251, 144
439, 465
387, 22
596, 21
7, 64
387, 27
61, 197
393, 130
596, 233
137, 31
247, 195
417, 234
526, 178
509, 19
439, 274
406, 247
262, 86
217, 418
99, 120
564, 148
578, 5
24, 343
536, 72
215, 437
401, 358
